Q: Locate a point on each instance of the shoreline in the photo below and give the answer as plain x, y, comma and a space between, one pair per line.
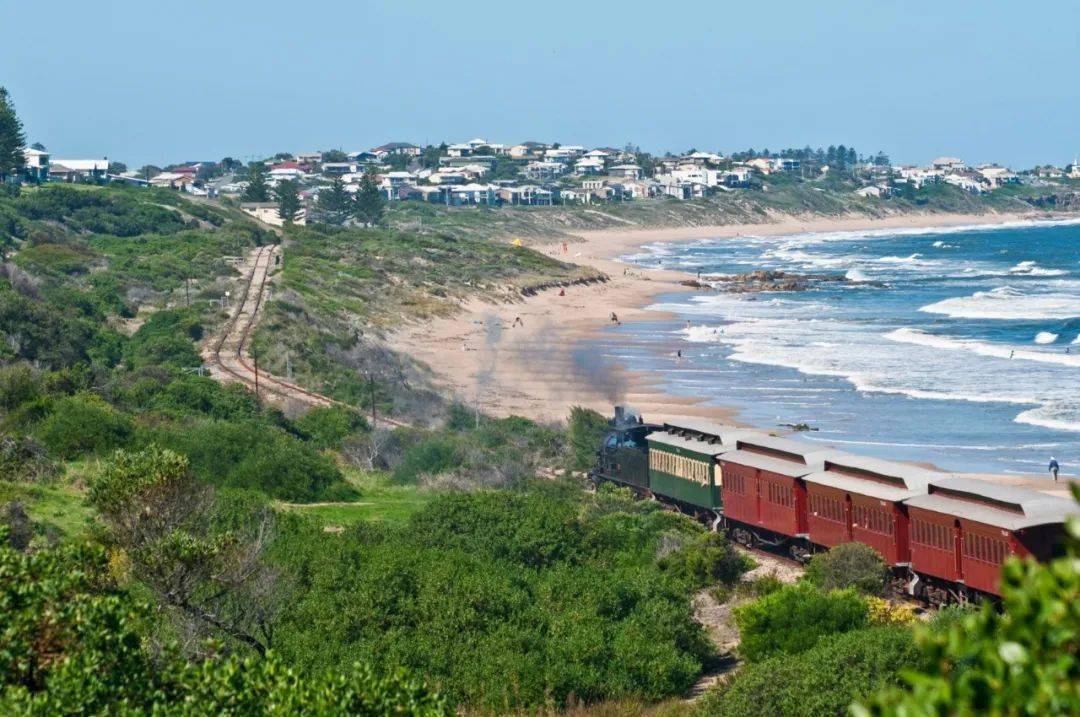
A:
538, 367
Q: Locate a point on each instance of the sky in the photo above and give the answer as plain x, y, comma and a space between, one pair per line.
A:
144, 81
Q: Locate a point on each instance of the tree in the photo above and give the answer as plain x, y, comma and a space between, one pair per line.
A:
12, 138
287, 194
850, 565
38, 146
162, 518
1019, 659
149, 171
334, 155
370, 205
257, 190
335, 204
584, 431
117, 168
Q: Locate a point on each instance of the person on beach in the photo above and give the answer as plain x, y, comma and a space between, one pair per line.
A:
517, 322
614, 318
562, 292
678, 354
1011, 354
1054, 467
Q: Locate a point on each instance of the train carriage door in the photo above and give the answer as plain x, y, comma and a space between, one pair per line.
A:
958, 549
759, 486
848, 509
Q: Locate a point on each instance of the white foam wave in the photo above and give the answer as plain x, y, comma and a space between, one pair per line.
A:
1030, 268
1006, 302
856, 274
1058, 418
982, 348
1045, 337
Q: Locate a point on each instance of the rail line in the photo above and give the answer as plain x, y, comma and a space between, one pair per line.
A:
273, 384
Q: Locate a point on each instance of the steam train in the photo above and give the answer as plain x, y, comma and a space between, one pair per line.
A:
944, 537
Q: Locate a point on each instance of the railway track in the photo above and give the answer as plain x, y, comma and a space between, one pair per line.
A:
228, 355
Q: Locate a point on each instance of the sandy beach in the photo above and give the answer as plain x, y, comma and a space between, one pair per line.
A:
525, 358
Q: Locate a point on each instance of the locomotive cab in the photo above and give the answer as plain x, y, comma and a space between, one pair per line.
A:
623, 455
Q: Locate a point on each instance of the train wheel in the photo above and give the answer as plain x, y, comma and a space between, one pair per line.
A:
800, 553
744, 537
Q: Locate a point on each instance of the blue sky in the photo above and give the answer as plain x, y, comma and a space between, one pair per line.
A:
147, 81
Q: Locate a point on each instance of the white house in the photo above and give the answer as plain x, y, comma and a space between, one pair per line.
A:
541, 171
737, 177
966, 183
37, 164
589, 165
627, 171
87, 168
948, 164
998, 176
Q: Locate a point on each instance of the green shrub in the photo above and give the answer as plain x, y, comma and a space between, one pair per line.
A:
250, 455
81, 424
166, 340
793, 619
585, 429
707, 560
849, 565
327, 427
74, 643
430, 456
821, 681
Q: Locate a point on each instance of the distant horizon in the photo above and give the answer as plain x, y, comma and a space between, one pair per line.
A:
161, 84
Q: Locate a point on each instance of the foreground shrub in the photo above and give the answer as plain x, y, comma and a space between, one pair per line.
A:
74, 644
584, 430
708, 560
506, 600
793, 619
819, 682
849, 565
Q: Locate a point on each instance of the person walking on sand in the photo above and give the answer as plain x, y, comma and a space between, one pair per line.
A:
517, 322
1054, 467
614, 318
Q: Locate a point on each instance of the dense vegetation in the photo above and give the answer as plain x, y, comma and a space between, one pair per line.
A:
169, 545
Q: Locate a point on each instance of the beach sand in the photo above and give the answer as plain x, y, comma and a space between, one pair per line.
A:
539, 369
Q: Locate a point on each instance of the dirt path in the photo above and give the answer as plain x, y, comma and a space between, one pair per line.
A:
719, 621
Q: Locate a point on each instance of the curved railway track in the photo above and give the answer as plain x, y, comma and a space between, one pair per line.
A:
228, 350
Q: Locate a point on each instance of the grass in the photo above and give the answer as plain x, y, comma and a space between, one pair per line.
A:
58, 507
380, 500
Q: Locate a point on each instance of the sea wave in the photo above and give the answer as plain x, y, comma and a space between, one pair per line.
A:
1007, 302
982, 348
1031, 268
1046, 337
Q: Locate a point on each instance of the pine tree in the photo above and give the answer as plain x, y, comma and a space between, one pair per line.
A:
370, 205
12, 139
335, 204
288, 199
257, 189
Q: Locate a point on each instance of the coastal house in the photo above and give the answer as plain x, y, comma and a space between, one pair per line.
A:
393, 180
36, 168
339, 169
997, 176
447, 175
173, 180
525, 195
309, 158
786, 164
543, 171
72, 170
363, 157
396, 148
627, 171
593, 183
472, 194
736, 177
877, 191
948, 164
527, 149
575, 195
765, 166
589, 165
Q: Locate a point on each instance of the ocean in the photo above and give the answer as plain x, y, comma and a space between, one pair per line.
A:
956, 346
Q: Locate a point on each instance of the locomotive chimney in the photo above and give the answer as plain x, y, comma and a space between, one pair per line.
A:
620, 415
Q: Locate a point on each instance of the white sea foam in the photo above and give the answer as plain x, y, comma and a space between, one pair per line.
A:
1006, 302
982, 348
856, 274
1030, 268
1045, 337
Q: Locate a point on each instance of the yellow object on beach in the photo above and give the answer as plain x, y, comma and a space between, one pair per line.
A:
517, 241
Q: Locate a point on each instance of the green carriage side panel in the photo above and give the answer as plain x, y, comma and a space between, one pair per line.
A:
688, 491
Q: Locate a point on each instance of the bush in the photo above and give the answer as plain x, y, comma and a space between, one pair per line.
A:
793, 619
507, 600
708, 560
327, 427
430, 456
73, 644
81, 424
822, 681
849, 565
585, 430
165, 340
